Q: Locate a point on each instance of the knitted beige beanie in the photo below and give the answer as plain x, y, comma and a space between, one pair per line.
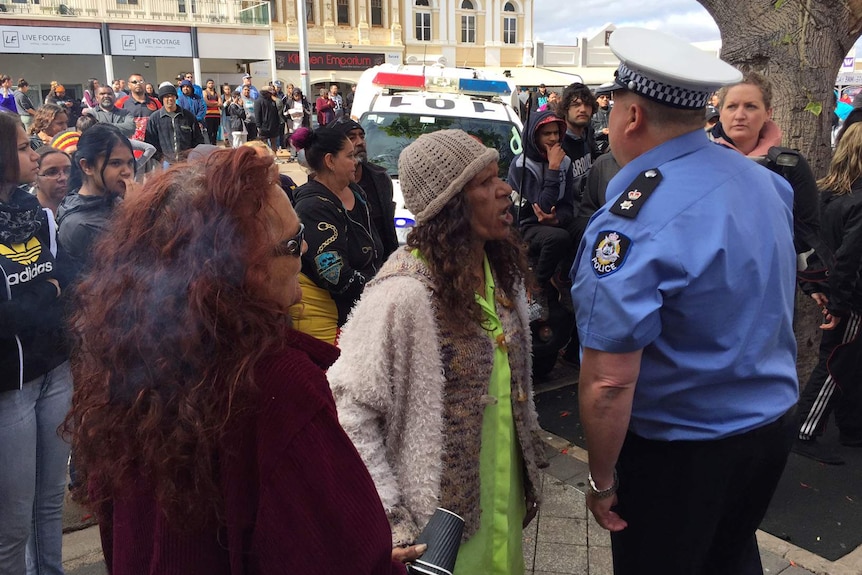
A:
437, 166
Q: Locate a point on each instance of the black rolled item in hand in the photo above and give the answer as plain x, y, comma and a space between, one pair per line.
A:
443, 537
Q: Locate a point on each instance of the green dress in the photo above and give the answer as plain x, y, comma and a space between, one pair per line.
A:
496, 548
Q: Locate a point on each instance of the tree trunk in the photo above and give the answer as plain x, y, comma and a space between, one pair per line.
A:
799, 45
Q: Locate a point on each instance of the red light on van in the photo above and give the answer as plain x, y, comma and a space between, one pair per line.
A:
395, 80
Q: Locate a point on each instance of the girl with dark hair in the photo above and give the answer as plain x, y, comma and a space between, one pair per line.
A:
344, 248
89, 99
35, 382
52, 179
206, 433
103, 168
433, 381
213, 114
49, 121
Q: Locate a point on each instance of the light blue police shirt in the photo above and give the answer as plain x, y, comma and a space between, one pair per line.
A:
702, 280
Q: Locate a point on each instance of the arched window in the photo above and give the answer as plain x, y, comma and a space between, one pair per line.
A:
423, 21
467, 5
510, 25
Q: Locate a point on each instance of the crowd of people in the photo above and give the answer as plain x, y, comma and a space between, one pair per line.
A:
220, 349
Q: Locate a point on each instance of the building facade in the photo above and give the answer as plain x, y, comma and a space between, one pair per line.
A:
71, 40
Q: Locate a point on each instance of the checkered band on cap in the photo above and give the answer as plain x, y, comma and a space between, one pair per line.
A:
674, 96
436, 167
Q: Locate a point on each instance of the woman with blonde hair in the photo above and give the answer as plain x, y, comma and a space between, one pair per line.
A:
836, 382
745, 125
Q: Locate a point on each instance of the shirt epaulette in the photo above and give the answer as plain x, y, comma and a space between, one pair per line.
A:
630, 202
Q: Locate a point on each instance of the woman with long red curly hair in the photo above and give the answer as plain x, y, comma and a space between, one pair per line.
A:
205, 431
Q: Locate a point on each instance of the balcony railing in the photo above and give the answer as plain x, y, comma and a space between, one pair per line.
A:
231, 12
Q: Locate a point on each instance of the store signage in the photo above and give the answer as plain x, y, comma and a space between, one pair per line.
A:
50, 40
150, 43
359, 61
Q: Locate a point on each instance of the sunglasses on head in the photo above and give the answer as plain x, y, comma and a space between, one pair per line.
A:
292, 246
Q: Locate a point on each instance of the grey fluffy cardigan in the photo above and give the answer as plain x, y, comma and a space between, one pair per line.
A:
411, 398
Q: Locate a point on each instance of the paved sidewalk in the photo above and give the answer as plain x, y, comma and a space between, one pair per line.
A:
565, 539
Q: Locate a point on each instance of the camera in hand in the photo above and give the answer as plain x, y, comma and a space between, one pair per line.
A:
442, 535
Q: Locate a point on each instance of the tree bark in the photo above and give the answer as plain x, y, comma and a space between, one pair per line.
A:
799, 45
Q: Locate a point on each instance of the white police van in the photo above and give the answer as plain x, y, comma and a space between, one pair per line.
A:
397, 104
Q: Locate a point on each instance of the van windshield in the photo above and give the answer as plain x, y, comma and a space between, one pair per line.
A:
387, 133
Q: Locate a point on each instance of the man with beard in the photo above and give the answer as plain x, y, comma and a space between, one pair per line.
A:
577, 107
375, 182
108, 113
139, 105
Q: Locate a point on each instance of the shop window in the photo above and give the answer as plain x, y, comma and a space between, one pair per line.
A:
344, 12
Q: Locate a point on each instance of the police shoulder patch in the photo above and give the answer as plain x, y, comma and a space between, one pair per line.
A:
610, 252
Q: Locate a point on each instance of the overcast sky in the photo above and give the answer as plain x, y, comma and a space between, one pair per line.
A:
559, 22
562, 23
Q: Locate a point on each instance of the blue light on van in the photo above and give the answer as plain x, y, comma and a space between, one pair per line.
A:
484, 87
404, 223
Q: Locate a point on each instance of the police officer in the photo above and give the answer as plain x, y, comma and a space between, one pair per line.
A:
683, 291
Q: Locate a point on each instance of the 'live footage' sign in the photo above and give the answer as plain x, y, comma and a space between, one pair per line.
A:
150, 43
49, 40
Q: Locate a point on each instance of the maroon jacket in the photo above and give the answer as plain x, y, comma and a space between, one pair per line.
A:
325, 110
298, 499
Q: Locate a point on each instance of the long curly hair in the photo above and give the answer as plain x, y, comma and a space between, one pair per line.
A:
445, 243
167, 328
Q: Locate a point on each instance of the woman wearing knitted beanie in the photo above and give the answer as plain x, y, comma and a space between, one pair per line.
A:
433, 383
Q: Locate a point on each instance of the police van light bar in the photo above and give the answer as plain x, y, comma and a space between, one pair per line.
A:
404, 222
395, 80
485, 87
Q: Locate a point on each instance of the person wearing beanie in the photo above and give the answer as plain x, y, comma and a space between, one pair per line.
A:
172, 130
433, 383
376, 183
344, 249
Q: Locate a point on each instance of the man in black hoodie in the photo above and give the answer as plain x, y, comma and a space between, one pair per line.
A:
542, 175
578, 106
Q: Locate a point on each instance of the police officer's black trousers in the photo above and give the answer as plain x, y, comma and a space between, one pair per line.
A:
693, 507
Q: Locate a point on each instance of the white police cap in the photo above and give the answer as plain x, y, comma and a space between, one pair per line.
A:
666, 69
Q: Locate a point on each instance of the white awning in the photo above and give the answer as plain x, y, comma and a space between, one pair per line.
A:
531, 77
